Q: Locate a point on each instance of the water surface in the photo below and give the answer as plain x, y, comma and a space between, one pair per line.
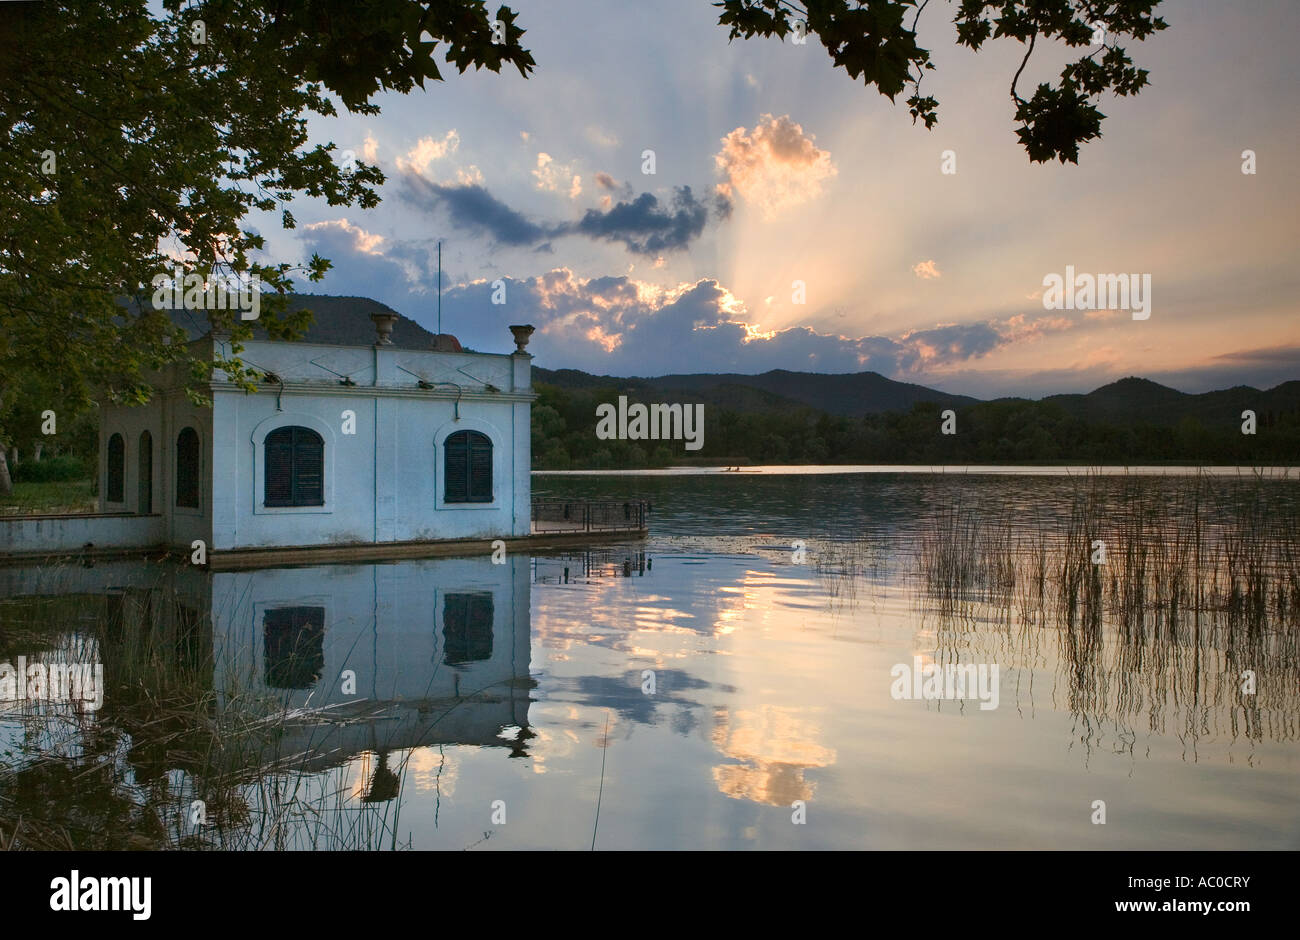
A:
509, 706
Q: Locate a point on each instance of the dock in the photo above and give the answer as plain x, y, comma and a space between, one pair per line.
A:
554, 524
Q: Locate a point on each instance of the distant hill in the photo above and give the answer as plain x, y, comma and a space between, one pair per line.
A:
1134, 401
848, 394
1128, 402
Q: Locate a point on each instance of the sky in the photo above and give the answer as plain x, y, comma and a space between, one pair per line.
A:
774, 169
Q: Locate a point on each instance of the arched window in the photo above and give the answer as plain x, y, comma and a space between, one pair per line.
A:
114, 490
145, 467
187, 469
295, 467
468, 468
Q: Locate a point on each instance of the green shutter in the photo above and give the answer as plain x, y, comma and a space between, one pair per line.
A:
295, 467
468, 464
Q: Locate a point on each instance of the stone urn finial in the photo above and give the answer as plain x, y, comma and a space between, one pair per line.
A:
521, 334
384, 323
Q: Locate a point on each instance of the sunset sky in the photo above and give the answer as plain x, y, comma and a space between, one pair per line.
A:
772, 167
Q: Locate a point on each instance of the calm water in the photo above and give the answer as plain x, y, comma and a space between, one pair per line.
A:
520, 692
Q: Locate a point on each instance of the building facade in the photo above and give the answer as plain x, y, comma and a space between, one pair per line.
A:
339, 445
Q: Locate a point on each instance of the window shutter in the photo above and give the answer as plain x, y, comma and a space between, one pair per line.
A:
468, 462
456, 487
480, 471
279, 468
295, 467
308, 468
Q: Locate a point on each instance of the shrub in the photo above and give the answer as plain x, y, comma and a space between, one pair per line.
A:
62, 469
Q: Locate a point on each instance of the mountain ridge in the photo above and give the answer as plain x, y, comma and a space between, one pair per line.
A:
1130, 401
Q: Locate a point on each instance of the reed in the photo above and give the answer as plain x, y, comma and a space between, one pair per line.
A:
1199, 584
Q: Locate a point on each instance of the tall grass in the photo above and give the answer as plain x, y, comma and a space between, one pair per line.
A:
1200, 584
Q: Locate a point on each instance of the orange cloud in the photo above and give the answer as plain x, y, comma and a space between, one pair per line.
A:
774, 166
367, 243
927, 270
551, 176
427, 150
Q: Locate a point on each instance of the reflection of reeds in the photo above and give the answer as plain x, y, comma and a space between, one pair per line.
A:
1200, 583
843, 566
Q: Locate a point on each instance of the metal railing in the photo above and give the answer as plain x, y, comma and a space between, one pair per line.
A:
590, 515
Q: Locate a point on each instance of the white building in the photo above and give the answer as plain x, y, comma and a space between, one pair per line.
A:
374, 438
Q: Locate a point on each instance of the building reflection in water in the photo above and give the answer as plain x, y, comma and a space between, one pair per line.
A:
234, 679
591, 565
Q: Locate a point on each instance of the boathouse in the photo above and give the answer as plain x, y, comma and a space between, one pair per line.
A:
370, 438
381, 438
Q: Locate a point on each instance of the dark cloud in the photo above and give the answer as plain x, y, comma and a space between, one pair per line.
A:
474, 209
646, 228
1288, 356
642, 224
357, 272
722, 206
948, 344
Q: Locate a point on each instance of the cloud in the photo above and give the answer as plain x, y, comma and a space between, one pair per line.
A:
551, 176
643, 224
472, 208
618, 324
1277, 355
426, 150
774, 166
361, 241
926, 349
601, 138
624, 326
605, 181
926, 270
417, 160
362, 263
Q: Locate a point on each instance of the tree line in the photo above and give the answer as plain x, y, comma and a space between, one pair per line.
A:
998, 432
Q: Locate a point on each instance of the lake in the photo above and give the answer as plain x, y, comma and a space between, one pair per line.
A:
754, 675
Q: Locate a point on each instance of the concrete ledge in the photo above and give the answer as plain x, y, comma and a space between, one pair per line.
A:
78, 535
240, 559
287, 556
85, 556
